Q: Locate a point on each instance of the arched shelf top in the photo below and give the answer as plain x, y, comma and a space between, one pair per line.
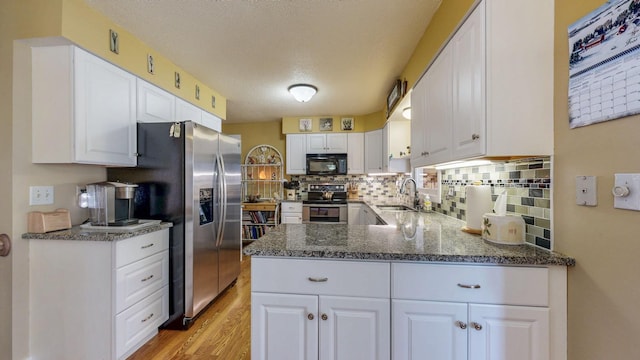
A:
263, 155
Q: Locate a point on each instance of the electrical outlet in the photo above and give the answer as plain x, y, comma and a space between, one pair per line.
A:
41, 195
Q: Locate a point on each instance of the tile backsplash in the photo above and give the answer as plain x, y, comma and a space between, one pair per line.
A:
527, 183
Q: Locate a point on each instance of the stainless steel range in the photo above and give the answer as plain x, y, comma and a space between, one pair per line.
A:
326, 203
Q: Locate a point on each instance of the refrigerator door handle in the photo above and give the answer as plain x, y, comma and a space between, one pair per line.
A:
223, 198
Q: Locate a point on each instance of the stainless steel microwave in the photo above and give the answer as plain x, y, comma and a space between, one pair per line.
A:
326, 164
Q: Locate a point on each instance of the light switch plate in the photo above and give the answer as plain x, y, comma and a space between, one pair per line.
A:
630, 201
586, 194
40, 195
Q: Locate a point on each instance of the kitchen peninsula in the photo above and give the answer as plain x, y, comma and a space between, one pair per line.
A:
407, 290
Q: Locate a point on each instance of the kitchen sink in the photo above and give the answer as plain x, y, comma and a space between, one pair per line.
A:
395, 208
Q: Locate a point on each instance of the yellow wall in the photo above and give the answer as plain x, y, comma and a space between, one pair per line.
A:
442, 25
90, 30
254, 134
604, 298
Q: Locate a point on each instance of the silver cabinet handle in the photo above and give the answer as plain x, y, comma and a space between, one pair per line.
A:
476, 325
475, 137
146, 246
315, 279
476, 286
461, 325
324, 317
147, 278
310, 316
147, 318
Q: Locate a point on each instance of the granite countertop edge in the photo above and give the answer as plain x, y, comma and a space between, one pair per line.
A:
76, 233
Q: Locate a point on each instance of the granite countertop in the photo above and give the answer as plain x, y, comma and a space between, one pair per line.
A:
78, 233
409, 236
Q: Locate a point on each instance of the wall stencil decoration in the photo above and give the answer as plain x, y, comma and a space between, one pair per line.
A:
346, 124
150, 64
326, 124
197, 92
114, 42
604, 64
177, 80
305, 125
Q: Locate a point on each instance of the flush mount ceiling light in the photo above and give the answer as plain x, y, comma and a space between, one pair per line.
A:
406, 113
303, 92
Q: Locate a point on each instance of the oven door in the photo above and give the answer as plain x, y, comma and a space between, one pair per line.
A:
324, 213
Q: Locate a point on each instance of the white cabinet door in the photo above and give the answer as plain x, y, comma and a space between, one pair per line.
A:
154, 104
296, 154
418, 124
337, 143
187, 111
468, 48
373, 151
326, 143
385, 147
211, 121
105, 117
354, 328
429, 330
316, 144
353, 214
498, 332
438, 128
284, 326
355, 153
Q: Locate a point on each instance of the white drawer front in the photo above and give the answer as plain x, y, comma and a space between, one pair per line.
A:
140, 279
290, 218
294, 207
139, 247
471, 283
322, 277
136, 324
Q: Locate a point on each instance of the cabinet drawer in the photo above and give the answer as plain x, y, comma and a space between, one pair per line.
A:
293, 207
139, 247
470, 283
139, 322
322, 277
140, 279
291, 218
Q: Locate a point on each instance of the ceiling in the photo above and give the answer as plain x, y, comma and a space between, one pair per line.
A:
251, 51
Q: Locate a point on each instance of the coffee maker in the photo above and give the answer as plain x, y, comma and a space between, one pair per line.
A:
111, 203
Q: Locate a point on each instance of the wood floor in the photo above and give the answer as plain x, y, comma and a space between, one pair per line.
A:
222, 331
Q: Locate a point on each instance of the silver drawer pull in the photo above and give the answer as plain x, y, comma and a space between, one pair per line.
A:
461, 325
314, 279
147, 278
147, 318
146, 246
476, 286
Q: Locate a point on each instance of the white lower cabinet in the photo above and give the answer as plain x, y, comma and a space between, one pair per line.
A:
448, 330
478, 312
291, 212
97, 299
309, 309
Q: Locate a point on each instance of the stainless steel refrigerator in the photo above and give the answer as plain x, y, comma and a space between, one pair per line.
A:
190, 175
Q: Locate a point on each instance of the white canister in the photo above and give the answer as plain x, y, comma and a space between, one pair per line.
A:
503, 229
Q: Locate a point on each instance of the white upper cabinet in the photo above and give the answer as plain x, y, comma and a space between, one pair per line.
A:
327, 143
490, 91
355, 153
468, 57
187, 111
155, 104
87, 102
211, 121
296, 154
373, 151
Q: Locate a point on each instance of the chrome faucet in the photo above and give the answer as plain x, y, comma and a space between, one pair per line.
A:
416, 197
